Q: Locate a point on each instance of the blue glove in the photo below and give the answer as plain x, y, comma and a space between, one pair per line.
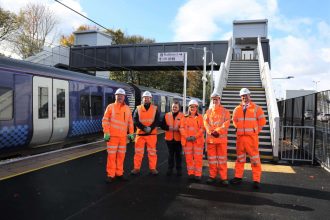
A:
106, 137
131, 137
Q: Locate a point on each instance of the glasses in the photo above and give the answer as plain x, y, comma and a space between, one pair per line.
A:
192, 106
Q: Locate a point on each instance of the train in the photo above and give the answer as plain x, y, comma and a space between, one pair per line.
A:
42, 105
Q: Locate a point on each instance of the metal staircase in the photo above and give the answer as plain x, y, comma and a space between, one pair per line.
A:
245, 73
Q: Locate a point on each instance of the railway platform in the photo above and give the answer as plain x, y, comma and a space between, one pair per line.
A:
70, 184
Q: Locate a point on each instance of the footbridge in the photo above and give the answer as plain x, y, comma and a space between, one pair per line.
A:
145, 56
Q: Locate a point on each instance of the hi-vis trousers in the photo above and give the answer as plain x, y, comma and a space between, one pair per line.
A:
217, 159
140, 142
116, 148
247, 144
194, 158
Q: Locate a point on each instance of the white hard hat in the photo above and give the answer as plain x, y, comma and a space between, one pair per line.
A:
215, 94
147, 93
120, 91
244, 91
193, 102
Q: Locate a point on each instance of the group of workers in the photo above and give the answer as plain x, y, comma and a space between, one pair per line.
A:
187, 133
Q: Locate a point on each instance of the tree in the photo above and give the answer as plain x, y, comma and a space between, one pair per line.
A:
36, 23
8, 24
68, 40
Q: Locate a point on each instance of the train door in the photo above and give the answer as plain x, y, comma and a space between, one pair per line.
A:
50, 110
60, 110
42, 110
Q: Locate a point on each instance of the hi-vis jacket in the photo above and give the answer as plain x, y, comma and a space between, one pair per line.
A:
250, 122
217, 119
117, 120
173, 132
192, 126
146, 118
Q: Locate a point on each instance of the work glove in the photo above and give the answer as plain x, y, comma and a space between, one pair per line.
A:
106, 137
147, 130
215, 134
131, 137
190, 138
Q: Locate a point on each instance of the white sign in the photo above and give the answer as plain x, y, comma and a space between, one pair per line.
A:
171, 57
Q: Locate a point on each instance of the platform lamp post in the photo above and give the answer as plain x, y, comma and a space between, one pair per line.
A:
212, 63
316, 82
288, 77
204, 79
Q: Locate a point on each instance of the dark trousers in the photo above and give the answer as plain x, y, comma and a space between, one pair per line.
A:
174, 151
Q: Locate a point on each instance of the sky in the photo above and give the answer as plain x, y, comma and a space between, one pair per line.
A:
299, 31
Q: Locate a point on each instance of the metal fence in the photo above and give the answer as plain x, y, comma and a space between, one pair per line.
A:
307, 111
297, 143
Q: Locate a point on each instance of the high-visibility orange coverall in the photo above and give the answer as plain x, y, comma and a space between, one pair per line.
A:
217, 119
146, 118
248, 125
117, 121
193, 150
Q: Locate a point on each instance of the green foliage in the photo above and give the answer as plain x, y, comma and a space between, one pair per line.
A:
36, 22
8, 24
68, 40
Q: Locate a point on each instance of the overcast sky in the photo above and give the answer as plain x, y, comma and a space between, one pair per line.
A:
299, 31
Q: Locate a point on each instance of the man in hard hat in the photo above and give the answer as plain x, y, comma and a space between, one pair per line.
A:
192, 139
146, 118
216, 122
171, 125
117, 122
248, 119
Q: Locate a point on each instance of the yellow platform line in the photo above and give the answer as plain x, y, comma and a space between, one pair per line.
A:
62, 160
265, 167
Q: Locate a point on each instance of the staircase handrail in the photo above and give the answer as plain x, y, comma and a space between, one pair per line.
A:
224, 69
273, 115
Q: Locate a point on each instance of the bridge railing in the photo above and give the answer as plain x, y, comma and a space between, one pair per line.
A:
273, 115
224, 69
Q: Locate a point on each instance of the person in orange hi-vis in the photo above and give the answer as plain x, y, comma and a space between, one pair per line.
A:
116, 122
216, 122
171, 125
192, 140
248, 119
146, 118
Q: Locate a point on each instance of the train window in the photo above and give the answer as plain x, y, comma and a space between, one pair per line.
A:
96, 105
111, 99
6, 103
60, 103
43, 102
84, 105
163, 104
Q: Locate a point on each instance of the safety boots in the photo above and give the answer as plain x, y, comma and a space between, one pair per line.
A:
236, 181
154, 172
135, 172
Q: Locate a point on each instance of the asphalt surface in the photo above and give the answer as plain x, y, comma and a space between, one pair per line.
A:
77, 190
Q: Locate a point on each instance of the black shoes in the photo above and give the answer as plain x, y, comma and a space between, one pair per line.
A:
198, 179
210, 180
224, 182
122, 178
109, 179
154, 172
236, 181
256, 185
135, 172
191, 177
